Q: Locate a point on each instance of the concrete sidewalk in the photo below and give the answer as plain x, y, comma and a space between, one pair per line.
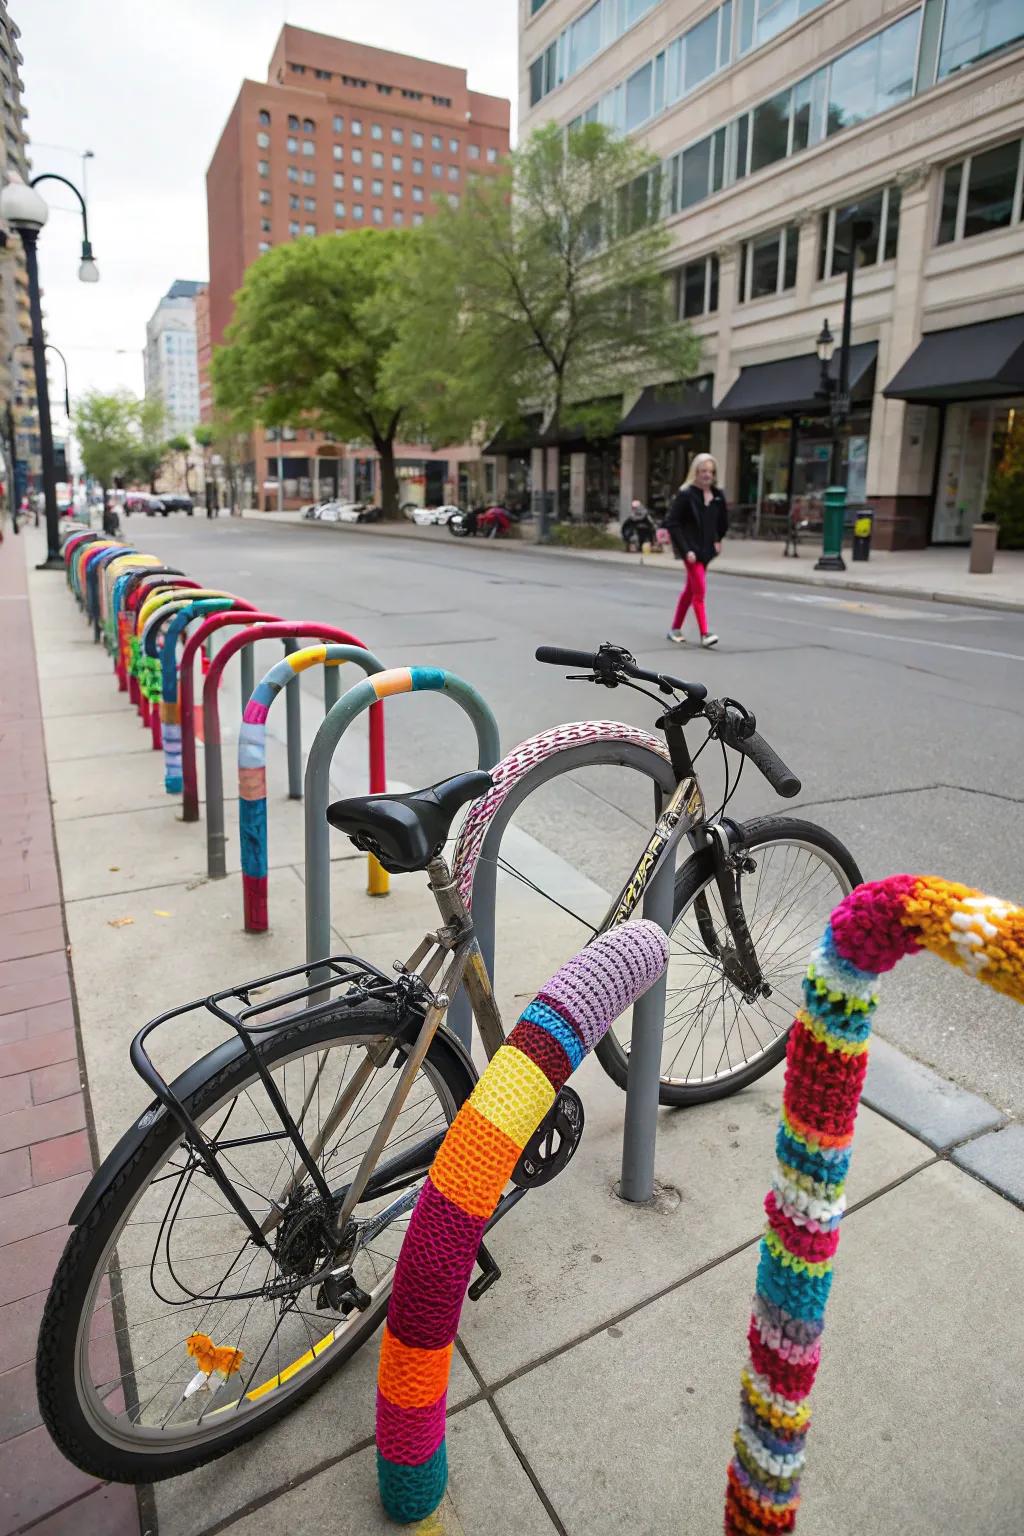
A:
937, 574
595, 1387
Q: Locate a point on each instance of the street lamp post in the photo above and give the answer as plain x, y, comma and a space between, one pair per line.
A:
26, 211
836, 391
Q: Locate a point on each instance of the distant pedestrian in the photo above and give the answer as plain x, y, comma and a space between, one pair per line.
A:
697, 521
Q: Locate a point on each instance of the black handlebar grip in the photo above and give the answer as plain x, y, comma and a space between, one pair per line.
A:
782, 779
554, 656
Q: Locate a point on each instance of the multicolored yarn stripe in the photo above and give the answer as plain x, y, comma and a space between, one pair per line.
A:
507, 774
170, 708
462, 1189
826, 1061
252, 769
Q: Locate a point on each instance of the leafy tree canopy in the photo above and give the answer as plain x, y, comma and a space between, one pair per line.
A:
105, 426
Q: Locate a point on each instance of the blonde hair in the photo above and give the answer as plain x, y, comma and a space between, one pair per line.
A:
695, 463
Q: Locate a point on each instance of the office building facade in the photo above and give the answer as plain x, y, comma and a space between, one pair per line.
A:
776, 124
19, 415
342, 137
169, 360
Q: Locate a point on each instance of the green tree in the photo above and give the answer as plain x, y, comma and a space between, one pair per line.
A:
314, 321
105, 427
149, 450
180, 445
543, 291
1005, 501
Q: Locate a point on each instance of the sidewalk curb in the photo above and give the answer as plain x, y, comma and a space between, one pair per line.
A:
791, 578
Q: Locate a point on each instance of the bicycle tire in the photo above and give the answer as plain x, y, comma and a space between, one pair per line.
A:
74, 1425
694, 877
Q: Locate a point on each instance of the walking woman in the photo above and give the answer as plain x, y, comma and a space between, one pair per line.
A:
697, 521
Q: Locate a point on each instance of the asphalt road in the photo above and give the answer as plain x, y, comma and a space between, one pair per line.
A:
904, 719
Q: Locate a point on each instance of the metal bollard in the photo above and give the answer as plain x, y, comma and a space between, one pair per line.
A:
643, 1083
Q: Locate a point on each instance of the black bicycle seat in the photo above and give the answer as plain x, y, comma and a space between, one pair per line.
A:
406, 831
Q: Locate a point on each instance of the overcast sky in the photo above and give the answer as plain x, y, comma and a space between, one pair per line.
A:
147, 86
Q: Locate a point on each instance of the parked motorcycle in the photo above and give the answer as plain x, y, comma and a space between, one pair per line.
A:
490, 522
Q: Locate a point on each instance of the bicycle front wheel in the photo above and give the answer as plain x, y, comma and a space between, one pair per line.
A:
169, 1335
715, 1042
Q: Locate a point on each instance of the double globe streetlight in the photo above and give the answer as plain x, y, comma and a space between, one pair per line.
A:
25, 210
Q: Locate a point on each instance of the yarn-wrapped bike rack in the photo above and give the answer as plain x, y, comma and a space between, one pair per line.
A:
876, 925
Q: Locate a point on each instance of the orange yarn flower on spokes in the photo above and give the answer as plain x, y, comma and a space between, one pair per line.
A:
210, 1357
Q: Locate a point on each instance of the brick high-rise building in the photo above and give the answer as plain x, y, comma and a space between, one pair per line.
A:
339, 137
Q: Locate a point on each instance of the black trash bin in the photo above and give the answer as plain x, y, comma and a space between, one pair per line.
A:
862, 526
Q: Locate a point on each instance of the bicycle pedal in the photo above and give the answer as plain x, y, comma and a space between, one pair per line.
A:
489, 1273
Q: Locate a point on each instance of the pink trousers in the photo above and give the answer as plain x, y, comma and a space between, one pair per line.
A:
693, 593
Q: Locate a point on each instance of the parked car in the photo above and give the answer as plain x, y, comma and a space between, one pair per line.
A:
425, 517
176, 501
347, 512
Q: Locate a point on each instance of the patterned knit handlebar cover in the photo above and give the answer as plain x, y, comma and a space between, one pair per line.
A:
472, 1167
826, 1060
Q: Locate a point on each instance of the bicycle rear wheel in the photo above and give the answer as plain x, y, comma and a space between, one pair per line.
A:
162, 1256
715, 1043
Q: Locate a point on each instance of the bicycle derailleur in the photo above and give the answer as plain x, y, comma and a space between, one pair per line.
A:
307, 1249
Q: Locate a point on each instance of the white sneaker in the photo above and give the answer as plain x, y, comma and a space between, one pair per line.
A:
707, 641
676, 636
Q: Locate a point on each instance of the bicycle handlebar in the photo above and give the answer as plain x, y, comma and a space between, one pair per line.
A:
613, 661
733, 726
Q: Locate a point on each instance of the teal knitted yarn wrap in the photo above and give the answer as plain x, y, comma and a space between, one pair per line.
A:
412, 1493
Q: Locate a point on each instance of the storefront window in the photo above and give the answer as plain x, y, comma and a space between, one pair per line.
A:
765, 447
974, 437
601, 482
517, 496
668, 460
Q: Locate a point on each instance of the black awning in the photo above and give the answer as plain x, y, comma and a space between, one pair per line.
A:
969, 362
520, 439
670, 407
787, 387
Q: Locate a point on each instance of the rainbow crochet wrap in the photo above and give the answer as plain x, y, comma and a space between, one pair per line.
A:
826, 1060
462, 1189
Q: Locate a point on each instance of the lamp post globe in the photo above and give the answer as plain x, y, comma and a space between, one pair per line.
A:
825, 344
88, 272
22, 206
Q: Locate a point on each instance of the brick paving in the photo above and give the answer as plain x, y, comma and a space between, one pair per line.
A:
45, 1155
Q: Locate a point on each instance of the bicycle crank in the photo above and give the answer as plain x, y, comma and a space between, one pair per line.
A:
553, 1144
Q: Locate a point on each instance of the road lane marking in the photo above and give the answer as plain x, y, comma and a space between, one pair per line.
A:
874, 634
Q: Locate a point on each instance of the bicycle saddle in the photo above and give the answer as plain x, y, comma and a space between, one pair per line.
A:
406, 831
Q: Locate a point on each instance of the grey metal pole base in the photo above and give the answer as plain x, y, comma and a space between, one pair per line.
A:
643, 1082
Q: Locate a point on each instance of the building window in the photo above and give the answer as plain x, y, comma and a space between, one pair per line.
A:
308, 147
376, 131
876, 75
397, 136
768, 264
292, 146
338, 180
758, 21
417, 218
474, 151
309, 203
293, 229
492, 157
981, 193
338, 124
881, 210
298, 69
338, 151
397, 190
308, 178
377, 160
377, 188
357, 156
294, 202
263, 166
263, 140
378, 215
396, 162
293, 173
974, 29
453, 146
293, 123
416, 139
436, 141
384, 90
697, 288
453, 173
309, 229
437, 171
265, 226
339, 210
417, 194
322, 74
264, 118
264, 195
357, 127
357, 210
417, 167
308, 125
453, 199
264, 246
398, 217
357, 183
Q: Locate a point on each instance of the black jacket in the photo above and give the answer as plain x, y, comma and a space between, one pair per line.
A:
695, 527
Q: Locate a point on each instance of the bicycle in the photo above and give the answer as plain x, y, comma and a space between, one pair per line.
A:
237, 1245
